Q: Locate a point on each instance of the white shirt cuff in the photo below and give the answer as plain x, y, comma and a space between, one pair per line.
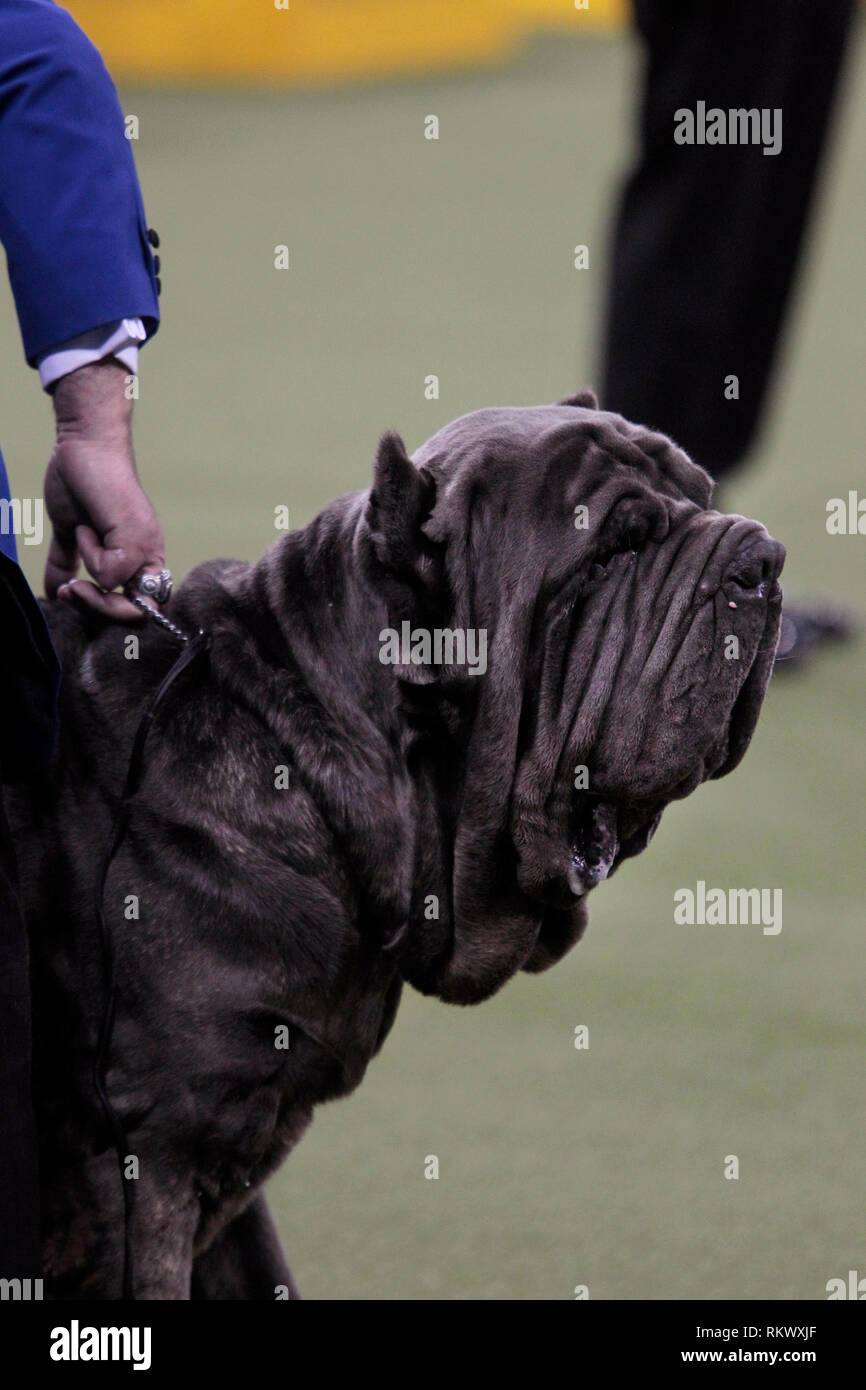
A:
120, 339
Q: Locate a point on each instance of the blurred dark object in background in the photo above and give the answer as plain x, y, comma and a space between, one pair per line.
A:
708, 236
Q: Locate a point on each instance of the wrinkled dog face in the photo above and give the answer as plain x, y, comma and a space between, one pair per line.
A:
633, 627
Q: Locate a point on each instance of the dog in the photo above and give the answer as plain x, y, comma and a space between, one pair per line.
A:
335, 801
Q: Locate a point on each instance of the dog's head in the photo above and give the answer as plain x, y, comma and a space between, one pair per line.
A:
629, 633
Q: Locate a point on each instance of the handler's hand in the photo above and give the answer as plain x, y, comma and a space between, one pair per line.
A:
98, 509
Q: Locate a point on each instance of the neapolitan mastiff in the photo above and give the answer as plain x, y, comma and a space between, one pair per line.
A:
326, 812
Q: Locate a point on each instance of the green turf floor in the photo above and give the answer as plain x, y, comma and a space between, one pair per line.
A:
558, 1167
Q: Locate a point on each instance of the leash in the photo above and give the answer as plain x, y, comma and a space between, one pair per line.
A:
192, 648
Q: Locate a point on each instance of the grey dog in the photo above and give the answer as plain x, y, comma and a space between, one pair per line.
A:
317, 825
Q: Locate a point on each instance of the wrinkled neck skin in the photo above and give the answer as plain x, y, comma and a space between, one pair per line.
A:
306, 619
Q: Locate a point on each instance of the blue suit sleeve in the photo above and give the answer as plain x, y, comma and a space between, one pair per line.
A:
71, 214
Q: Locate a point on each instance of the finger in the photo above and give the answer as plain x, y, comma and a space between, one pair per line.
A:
85, 595
114, 565
107, 565
61, 564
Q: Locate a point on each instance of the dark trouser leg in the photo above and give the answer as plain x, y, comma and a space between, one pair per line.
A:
19, 1193
29, 681
708, 236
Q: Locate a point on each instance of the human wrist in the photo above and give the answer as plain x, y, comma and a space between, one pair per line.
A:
92, 403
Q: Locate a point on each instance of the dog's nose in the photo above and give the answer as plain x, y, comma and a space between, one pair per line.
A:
755, 568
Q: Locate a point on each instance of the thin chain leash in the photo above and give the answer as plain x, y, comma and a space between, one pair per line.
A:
161, 619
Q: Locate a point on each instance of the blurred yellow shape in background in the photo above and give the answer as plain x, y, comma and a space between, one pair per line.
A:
320, 41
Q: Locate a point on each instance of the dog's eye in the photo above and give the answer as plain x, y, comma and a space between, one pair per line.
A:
625, 529
604, 557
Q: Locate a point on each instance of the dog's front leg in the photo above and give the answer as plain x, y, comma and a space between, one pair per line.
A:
86, 1222
164, 1222
245, 1261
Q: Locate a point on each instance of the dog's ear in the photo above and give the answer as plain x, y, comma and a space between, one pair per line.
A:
586, 398
409, 565
400, 501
